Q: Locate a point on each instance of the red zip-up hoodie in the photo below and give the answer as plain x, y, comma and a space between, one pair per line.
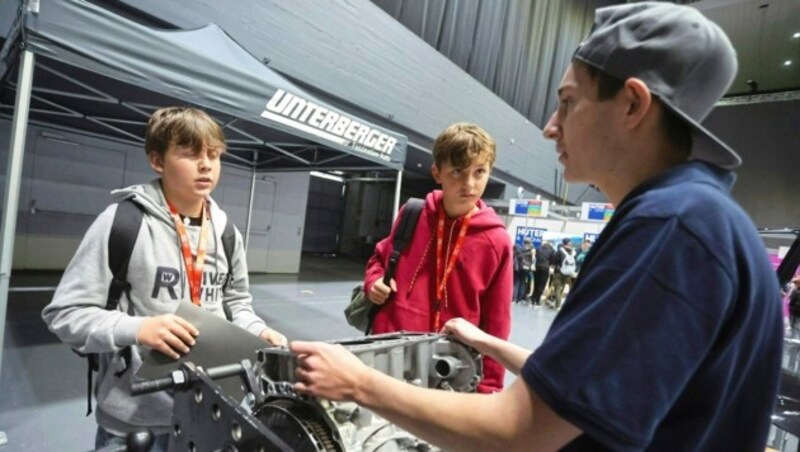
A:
478, 289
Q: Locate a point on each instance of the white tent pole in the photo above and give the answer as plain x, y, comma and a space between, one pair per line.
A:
19, 127
250, 209
397, 186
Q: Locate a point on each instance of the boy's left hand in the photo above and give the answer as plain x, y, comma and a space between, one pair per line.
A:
273, 337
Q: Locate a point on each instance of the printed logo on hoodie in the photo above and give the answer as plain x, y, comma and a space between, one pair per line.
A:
168, 278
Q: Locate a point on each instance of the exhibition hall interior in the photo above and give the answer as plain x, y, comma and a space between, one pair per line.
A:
316, 124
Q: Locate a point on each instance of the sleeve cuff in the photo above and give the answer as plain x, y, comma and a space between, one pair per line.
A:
257, 328
126, 330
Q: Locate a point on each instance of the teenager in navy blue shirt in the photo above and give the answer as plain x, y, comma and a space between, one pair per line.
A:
671, 337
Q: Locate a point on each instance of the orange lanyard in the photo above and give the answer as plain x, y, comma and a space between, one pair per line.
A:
194, 265
443, 269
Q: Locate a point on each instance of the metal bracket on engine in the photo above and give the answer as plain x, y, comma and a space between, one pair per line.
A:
273, 417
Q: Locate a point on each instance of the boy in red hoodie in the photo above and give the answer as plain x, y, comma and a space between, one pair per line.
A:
459, 262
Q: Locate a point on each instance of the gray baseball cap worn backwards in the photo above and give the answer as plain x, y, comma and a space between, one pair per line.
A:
684, 58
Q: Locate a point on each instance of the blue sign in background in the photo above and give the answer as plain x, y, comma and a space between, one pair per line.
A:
592, 236
521, 208
597, 212
600, 212
527, 207
534, 233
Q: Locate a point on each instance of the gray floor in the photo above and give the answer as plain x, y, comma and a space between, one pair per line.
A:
43, 384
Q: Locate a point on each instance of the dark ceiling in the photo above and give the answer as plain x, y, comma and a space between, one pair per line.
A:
766, 35
763, 31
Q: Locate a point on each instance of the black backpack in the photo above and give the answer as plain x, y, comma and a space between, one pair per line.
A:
402, 236
124, 231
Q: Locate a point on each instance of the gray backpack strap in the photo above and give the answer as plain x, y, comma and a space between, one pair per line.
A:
228, 244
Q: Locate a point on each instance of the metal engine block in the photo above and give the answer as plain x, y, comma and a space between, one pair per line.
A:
209, 416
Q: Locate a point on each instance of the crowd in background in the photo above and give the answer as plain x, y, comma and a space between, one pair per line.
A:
545, 274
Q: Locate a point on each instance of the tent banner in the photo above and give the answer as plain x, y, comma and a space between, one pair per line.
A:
303, 114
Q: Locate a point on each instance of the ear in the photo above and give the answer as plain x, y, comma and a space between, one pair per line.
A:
638, 101
437, 175
156, 161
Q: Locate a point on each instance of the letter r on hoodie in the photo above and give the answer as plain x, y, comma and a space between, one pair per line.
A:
166, 277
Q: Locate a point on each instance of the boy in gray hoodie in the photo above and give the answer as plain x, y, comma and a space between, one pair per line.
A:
178, 257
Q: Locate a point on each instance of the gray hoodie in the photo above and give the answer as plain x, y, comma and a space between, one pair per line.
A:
158, 284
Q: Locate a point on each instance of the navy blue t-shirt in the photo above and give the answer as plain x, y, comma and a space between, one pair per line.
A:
671, 338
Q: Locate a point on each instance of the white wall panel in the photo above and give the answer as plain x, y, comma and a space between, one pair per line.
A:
288, 218
260, 247
67, 179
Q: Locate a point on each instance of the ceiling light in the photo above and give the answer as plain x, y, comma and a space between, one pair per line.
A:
796, 35
787, 63
322, 175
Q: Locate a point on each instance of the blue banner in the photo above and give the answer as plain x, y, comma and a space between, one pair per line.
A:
534, 233
599, 211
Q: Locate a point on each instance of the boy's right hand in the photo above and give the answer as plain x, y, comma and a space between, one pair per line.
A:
168, 333
379, 291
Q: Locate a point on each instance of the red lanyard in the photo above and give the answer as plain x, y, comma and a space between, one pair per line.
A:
194, 265
443, 269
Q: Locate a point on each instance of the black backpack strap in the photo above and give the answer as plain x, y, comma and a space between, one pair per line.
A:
121, 239
228, 245
405, 230
92, 360
406, 224
92, 365
124, 230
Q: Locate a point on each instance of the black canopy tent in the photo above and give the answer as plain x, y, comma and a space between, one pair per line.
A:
73, 65
99, 72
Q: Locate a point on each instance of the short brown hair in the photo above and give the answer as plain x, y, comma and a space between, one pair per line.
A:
461, 144
676, 129
181, 126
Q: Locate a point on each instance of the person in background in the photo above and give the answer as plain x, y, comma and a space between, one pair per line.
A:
518, 273
564, 271
177, 258
543, 268
671, 338
525, 258
459, 262
793, 297
586, 245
